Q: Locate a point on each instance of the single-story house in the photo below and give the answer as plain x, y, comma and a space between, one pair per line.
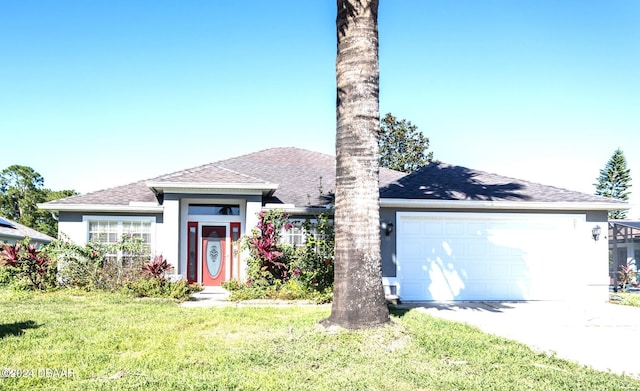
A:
450, 233
11, 232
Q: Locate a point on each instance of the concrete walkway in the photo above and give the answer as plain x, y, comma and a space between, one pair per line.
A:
213, 296
602, 336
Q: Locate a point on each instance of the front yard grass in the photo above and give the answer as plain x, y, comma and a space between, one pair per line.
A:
630, 299
111, 341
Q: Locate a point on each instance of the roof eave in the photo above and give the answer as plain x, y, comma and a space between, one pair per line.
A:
524, 205
101, 208
301, 210
266, 189
41, 238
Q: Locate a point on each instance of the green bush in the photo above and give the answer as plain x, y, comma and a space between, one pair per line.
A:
27, 266
278, 271
181, 290
97, 265
313, 263
159, 287
232, 285
6, 275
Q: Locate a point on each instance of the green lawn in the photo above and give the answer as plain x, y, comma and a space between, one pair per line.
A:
631, 299
110, 341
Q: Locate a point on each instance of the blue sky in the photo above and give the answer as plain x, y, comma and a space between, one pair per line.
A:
95, 94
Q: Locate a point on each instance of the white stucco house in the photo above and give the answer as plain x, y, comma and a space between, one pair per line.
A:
11, 232
451, 233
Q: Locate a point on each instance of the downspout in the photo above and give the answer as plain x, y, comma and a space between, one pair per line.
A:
616, 261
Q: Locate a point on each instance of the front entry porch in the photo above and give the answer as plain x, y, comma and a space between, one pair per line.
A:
213, 254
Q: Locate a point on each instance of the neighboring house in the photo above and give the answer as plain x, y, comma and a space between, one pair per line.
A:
624, 244
11, 232
450, 233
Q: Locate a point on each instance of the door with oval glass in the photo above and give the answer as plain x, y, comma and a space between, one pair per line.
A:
213, 255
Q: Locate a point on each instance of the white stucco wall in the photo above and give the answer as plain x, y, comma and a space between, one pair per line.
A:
76, 232
168, 237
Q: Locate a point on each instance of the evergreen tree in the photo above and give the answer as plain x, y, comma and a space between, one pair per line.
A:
402, 146
614, 182
21, 189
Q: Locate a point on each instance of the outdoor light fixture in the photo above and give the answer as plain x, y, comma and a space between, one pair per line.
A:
596, 232
386, 227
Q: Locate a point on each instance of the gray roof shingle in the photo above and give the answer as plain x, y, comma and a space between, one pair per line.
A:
11, 229
441, 181
307, 178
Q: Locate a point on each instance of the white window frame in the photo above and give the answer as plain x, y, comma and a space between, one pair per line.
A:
120, 231
287, 235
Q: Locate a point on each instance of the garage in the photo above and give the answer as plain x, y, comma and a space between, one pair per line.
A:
492, 256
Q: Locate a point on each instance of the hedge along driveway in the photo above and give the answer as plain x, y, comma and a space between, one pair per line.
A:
111, 341
604, 336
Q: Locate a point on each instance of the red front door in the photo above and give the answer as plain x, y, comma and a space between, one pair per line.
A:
213, 255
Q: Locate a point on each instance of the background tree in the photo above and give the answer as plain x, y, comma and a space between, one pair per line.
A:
358, 299
402, 146
614, 182
21, 189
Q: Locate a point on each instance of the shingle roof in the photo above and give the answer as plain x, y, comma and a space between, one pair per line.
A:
13, 230
120, 195
307, 178
441, 181
304, 178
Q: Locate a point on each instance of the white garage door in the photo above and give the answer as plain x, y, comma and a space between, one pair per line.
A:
488, 256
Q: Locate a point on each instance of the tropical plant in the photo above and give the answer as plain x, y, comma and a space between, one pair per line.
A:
627, 275
266, 253
157, 268
304, 272
28, 265
78, 266
98, 265
358, 296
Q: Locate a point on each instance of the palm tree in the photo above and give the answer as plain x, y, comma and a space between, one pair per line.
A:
358, 299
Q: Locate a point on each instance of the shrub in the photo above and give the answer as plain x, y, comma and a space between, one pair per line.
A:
28, 265
313, 263
97, 265
627, 275
232, 285
157, 268
6, 276
277, 271
266, 260
78, 266
158, 287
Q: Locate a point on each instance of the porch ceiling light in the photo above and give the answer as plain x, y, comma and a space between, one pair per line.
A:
595, 232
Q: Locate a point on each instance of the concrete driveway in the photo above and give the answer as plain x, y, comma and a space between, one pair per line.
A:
603, 336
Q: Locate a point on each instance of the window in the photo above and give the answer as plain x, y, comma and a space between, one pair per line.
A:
214, 209
103, 231
297, 235
111, 231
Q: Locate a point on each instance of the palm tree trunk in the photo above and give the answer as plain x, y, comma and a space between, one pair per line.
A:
358, 299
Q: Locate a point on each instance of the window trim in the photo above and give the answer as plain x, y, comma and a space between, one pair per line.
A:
87, 219
298, 223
